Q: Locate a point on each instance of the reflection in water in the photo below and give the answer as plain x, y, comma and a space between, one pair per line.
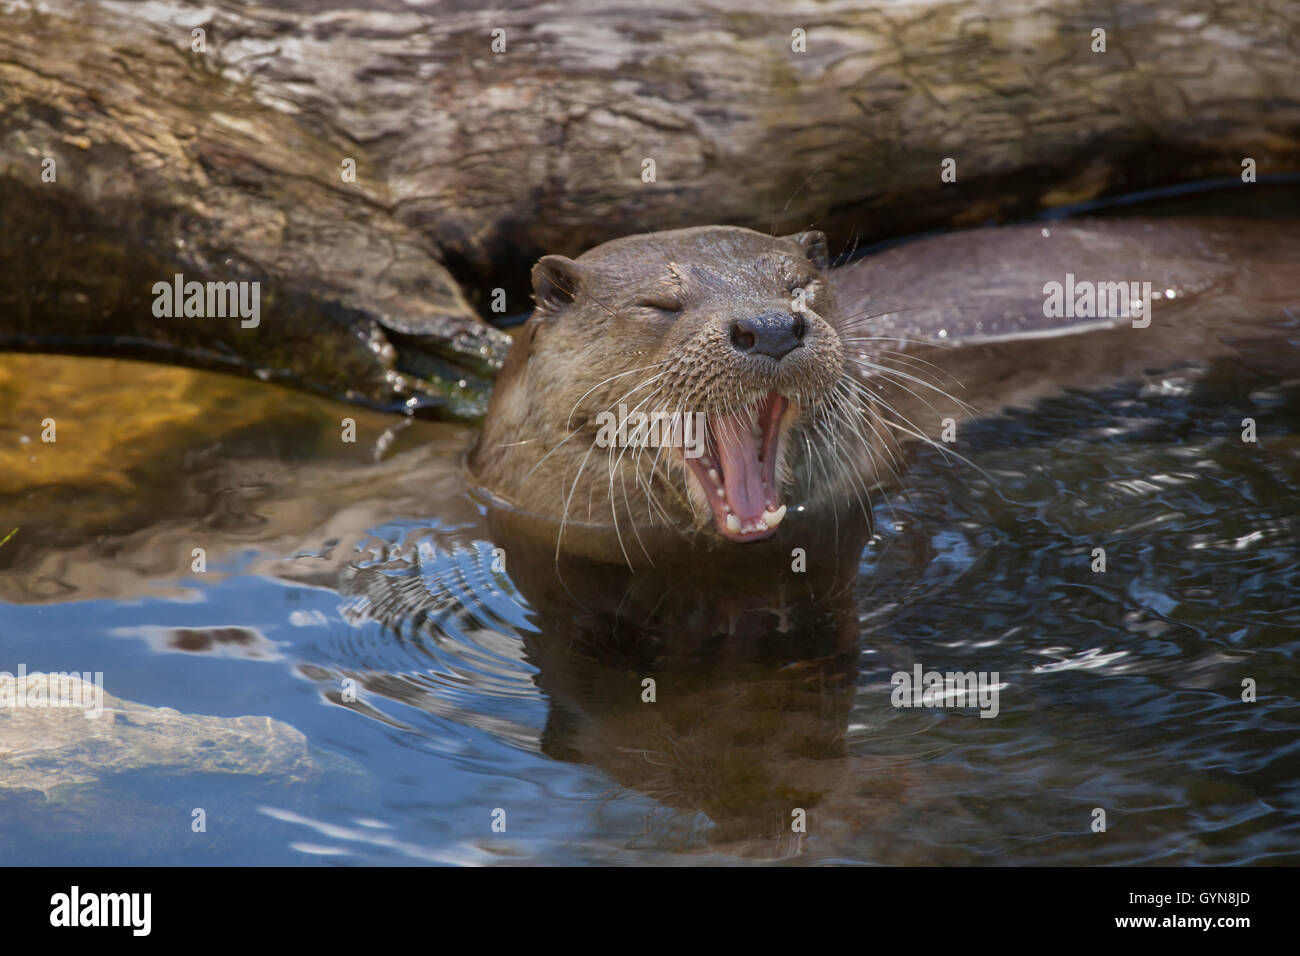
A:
244, 642
716, 683
150, 462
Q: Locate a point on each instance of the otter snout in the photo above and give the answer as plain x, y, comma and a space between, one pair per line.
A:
775, 334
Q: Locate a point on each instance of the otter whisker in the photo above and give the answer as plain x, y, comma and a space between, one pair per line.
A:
942, 449
857, 409
569, 421
887, 442
614, 513
635, 532
852, 321
794, 195
837, 413
651, 499
872, 398
558, 445
889, 463
864, 360
902, 356
835, 511
645, 486
857, 487
840, 409
564, 514
894, 375
613, 466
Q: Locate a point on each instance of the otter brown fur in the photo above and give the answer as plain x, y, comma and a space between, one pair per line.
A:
739, 327
748, 330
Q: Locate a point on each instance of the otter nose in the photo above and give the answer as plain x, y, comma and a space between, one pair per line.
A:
773, 333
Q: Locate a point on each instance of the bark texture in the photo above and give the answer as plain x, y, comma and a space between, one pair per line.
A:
470, 163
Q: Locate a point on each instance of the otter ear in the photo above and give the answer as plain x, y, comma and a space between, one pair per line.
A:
555, 282
814, 246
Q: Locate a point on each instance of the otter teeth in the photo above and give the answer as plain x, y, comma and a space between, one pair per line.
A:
753, 457
769, 519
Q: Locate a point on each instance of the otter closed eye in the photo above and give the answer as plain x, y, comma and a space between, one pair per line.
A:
667, 306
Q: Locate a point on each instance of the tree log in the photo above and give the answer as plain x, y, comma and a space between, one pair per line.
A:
227, 164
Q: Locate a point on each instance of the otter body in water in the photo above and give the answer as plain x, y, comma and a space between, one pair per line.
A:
802, 380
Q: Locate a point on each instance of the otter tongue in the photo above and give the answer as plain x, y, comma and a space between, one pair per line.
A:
742, 472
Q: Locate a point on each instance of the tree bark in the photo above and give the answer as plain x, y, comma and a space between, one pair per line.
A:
227, 164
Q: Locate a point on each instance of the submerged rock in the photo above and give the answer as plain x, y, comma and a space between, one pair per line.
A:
51, 745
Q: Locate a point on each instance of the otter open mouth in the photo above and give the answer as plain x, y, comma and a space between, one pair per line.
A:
738, 469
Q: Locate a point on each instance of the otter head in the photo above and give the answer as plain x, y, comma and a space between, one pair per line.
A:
694, 378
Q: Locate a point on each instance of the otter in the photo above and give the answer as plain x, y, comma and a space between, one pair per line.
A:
806, 382
723, 326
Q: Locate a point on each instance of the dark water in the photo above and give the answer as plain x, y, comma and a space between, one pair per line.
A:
482, 690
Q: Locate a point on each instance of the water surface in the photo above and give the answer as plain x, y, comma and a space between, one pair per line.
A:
483, 688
